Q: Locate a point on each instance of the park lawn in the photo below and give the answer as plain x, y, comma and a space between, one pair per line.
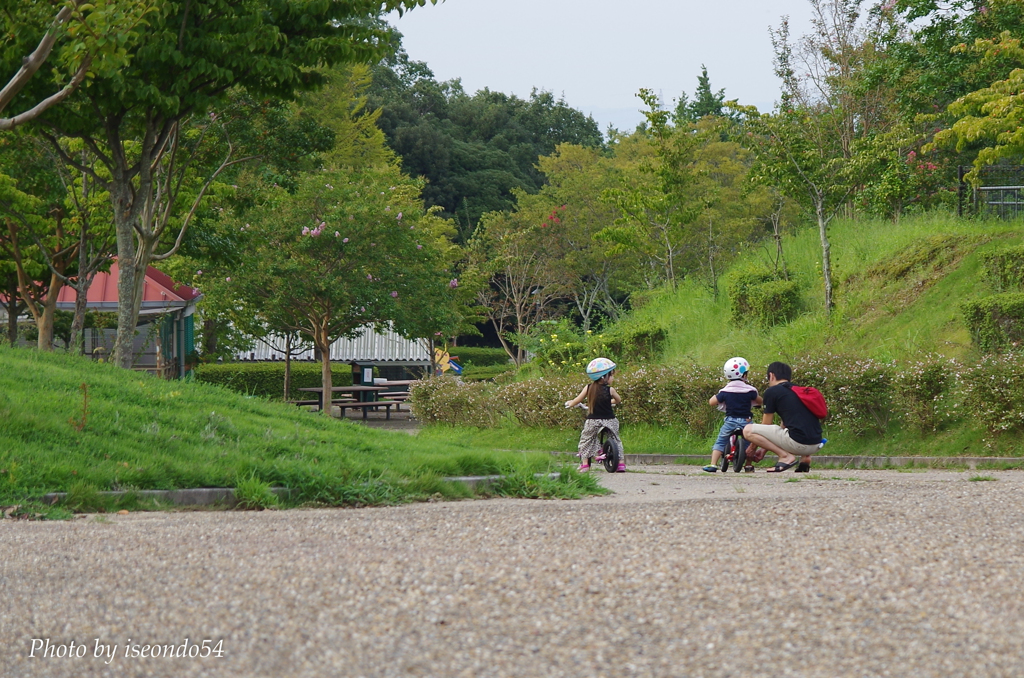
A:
955, 441
140, 432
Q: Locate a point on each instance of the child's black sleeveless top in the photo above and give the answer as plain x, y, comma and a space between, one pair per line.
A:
603, 404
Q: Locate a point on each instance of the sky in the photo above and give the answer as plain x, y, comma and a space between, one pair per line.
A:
599, 53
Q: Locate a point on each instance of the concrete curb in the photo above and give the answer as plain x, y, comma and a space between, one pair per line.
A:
476, 482
202, 496
225, 496
851, 461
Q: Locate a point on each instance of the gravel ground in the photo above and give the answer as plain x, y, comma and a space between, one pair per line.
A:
845, 573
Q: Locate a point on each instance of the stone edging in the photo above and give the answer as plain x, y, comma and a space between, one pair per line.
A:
851, 461
225, 496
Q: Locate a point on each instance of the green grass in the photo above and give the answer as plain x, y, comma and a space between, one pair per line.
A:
901, 319
646, 439
144, 433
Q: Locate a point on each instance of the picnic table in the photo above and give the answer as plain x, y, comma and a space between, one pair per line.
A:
399, 390
319, 390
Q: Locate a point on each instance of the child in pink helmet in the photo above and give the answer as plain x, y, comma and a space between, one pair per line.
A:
600, 397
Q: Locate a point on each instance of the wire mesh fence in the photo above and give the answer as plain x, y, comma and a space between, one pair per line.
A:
999, 192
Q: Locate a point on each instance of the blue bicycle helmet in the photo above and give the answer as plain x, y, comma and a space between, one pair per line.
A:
599, 367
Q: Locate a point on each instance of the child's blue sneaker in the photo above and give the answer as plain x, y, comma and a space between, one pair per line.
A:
710, 469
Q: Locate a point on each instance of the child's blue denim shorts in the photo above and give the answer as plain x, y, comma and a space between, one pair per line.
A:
730, 425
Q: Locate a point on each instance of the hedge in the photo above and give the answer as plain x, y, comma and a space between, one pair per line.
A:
763, 298
996, 323
267, 378
1004, 269
480, 356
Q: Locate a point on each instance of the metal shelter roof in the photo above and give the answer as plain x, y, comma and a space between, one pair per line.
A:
160, 294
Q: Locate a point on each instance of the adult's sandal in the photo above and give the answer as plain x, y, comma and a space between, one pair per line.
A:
780, 467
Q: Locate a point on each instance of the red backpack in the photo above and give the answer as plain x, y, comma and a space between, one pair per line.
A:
812, 400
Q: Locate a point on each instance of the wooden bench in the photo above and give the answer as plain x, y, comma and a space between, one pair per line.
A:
398, 396
336, 401
382, 403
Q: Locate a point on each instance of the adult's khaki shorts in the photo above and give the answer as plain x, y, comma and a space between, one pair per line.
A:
780, 436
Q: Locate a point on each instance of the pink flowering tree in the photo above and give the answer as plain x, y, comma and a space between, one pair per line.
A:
349, 249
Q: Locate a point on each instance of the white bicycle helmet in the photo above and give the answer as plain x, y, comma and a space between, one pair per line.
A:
735, 368
599, 367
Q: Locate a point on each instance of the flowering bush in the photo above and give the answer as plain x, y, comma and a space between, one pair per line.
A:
993, 393
863, 396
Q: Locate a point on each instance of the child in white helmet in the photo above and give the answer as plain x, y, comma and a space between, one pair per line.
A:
600, 397
736, 400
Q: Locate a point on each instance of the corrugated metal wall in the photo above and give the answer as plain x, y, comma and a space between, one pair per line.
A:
372, 347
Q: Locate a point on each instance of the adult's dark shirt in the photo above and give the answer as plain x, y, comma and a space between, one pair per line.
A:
803, 426
603, 403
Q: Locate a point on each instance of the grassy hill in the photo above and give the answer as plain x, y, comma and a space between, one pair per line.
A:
898, 290
139, 432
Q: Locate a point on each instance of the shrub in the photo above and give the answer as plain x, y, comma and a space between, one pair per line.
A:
447, 400
993, 393
761, 297
774, 302
633, 342
480, 356
474, 373
267, 378
996, 323
541, 402
925, 386
1004, 269
859, 393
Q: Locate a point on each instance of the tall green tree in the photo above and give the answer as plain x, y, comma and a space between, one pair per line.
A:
142, 123
349, 249
474, 150
660, 203
90, 38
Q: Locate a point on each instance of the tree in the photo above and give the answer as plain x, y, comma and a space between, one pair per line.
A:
38, 238
94, 37
660, 203
349, 249
142, 122
512, 251
473, 149
705, 102
992, 116
806, 164
577, 178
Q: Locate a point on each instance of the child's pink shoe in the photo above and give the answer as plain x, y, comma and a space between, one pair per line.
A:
583, 468
621, 468
601, 457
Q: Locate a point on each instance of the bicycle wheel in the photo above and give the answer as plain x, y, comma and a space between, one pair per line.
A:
741, 454
726, 457
610, 452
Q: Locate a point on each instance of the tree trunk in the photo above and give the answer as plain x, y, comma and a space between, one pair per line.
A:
81, 301
826, 256
12, 322
44, 323
13, 308
287, 366
323, 343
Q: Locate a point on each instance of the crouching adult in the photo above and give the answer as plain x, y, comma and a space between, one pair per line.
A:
799, 436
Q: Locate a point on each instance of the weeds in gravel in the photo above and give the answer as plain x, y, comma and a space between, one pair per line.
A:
252, 494
976, 479
568, 485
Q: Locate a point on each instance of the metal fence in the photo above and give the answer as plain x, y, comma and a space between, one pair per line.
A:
1000, 193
